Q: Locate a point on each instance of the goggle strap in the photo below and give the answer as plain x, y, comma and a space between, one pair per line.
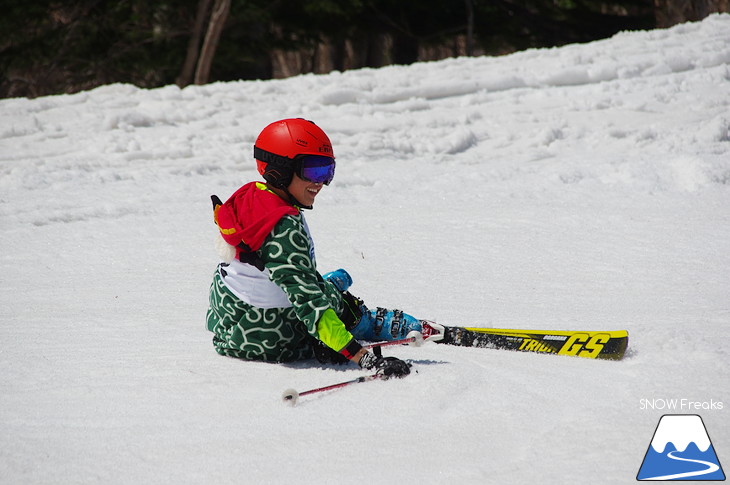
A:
268, 157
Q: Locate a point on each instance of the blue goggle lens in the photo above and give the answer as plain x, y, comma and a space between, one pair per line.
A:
316, 169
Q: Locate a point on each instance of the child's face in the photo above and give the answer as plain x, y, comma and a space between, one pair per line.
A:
304, 191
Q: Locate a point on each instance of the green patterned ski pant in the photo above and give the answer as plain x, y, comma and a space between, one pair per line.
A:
247, 332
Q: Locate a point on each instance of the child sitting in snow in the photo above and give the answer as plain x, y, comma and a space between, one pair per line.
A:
268, 302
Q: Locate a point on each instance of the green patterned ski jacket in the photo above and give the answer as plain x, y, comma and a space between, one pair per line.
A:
279, 334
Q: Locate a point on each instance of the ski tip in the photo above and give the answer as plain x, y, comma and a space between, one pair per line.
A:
290, 397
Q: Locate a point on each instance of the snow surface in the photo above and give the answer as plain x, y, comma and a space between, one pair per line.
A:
582, 187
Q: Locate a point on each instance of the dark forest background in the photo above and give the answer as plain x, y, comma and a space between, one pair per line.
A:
51, 47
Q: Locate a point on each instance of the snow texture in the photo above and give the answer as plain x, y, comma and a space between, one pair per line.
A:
582, 187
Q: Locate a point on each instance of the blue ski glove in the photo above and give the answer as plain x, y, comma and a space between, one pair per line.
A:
340, 278
353, 307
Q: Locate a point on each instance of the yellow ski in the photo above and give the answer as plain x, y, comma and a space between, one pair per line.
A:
590, 344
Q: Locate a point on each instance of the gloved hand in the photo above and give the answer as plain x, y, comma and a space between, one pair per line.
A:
340, 278
386, 366
353, 307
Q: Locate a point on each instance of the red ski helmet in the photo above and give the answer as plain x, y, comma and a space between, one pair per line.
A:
282, 144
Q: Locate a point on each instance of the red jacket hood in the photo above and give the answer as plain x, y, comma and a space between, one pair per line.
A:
250, 214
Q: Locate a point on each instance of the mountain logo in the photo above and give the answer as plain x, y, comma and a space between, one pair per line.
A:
681, 450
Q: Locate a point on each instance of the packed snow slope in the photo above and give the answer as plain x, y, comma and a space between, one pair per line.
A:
583, 187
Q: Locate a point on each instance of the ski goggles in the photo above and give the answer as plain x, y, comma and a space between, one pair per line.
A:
316, 168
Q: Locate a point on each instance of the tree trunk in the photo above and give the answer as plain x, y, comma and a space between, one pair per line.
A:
217, 21
191, 59
672, 12
469, 28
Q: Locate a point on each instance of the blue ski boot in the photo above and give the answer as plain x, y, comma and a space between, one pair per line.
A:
382, 324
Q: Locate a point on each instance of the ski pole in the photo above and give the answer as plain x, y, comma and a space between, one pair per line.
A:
414, 338
291, 396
